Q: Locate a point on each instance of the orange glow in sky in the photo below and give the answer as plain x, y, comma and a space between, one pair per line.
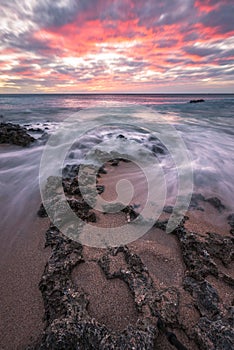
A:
116, 46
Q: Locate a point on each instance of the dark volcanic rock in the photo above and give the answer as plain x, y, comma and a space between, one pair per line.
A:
42, 212
100, 189
230, 219
14, 134
71, 186
197, 101
131, 213
215, 334
216, 203
114, 162
68, 324
207, 299
120, 136
195, 200
158, 149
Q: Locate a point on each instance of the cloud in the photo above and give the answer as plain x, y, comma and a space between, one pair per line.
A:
220, 18
95, 44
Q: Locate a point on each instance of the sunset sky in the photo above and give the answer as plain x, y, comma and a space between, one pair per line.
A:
116, 46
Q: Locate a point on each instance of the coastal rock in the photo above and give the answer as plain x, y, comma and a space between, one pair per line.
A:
14, 134
158, 149
68, 324
160, 309
168, 209
215, 334
216, 203
195, 200
230, 219
197, 101
206, 297
42, 212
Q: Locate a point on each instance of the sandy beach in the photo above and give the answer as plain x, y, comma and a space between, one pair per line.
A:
111, 302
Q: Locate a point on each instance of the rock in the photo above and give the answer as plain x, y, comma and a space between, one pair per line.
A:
215, 334
168, 209
206, 297
230, 219
68, 323
102, 170
194, 202
196, 254
120, 136
42, 212
91, 217
100, 189
114, 162
81, 208
158, 149
131, 213
216, 203
14, 134
71, 186
71, 170
197, 101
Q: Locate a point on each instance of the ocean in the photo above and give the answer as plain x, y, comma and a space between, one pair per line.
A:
166, 125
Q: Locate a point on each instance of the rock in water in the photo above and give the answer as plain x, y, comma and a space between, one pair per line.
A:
196, 101
14, 134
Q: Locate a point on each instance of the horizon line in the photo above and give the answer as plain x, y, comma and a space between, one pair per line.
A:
116, 93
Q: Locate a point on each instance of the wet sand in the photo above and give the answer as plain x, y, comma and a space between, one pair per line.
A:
21, 304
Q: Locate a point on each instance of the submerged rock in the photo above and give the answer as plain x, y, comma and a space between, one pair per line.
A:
14, 134
216, 203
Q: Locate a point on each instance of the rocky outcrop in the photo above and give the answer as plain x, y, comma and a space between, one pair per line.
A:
207, 263
14, 134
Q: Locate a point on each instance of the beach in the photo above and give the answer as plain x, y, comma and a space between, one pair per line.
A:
186, 275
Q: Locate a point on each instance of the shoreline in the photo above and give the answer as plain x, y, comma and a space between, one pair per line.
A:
179, 276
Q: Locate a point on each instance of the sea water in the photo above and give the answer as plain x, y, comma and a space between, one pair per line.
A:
205, 129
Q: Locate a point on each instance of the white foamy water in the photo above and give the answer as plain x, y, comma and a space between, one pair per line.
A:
205, 128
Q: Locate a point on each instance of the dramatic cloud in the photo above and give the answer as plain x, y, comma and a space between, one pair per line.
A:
116, 46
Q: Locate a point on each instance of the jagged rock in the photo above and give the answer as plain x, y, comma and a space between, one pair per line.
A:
68, 322
215, 335
131, 213
42, 212
71, 186
70, 171
230, 219
195, 254
114, 162
100, 189
158, 149
14, 134
216, 203
206, 297
82, 209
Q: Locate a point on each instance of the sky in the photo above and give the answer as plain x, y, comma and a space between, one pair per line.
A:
141, 46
